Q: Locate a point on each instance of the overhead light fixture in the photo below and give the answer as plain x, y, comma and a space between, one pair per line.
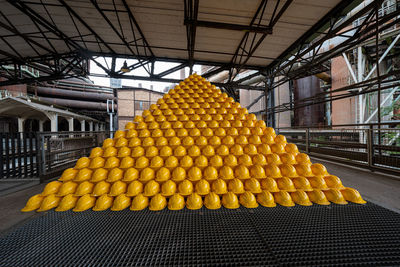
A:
125, 68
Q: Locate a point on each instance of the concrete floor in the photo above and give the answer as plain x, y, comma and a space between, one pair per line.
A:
375, 187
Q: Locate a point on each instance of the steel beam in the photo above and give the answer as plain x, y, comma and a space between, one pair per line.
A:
229, 26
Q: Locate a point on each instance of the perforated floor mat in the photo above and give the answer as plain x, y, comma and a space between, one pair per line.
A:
316, 236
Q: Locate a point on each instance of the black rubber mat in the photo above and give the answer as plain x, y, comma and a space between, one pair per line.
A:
311, 236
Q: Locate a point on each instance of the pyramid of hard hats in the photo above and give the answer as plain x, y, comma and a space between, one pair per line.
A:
195, 147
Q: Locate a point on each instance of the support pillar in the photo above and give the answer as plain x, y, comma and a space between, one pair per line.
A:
91, 126
96, 126
21, 125
83, 125
54, 122
41, 125
70, 124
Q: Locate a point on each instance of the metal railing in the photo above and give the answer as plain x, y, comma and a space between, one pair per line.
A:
371, 148
44, 155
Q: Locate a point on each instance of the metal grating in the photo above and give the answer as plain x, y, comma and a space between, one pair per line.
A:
316, 235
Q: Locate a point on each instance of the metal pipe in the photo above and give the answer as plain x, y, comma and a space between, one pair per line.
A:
77, 104
72, 94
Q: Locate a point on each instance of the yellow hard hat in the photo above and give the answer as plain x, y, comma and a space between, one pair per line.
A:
283, 198
213, 124
352, 195
49, 202
201, 161
171, 162
208, 151
266, 199
214, 141
82, 163
112, 162
174, 141
194, 132
251, 117
157, 133
207, 132
333, 181
103, 202
178, 174
166, 151
124, 152
216, 161
255, 140
110, 152
228, 140
190, 125
226, 173
318, 182
230, 117
168, 188
161, 141
134, 142
267, 139
248, 123
67, 188
186, 162
212, 201
151, 151
182, 133
67, 202
117, 188
318, 197
142, 162
288, 170
248, 200
109, 142
237, 150
230, 201
158, 202
288, 158
202, 187
51, 188
241, 117
130, 125
336, 196
149, 117
217, 117
137, 152
185, 188
269, 184
121, 142
101, 188
68, 175
250, 149
264, 149
194, 151
210, 173
280, 139
259, 159
225, 124
318, 169
302, 158
187, 141
273, 171
99, 175
163, 174
33, 203
194, 174
273, 159
131, 174
236, 186
166, 125
127, 162
176, 202
177, 125
300, 197
195, 117
291, 148
84, 203
302, 183
121, 202
245, 160
252, 185
278, 148
114, 175
184, 117
219, 187
245, 131
144, 133
257, 131
179, 151
119, 134
194, 202
201, 141
156, 162
139, 202
146, 174
172, 118
159, 118
96, 152
138, 118
84, 188
242, 172
257, 171
286, 184
237, 124
230, 161
134, 188
131, 133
